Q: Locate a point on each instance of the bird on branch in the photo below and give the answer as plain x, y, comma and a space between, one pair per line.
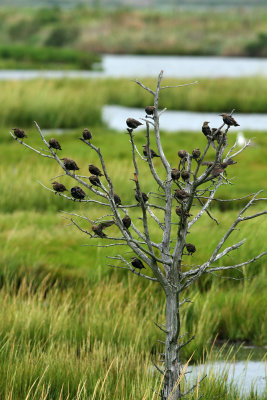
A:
95, 170
137, 263
58, 187
185, 175
179, 211
196, 153
150, 110
180, 194
98, 228
94, 180
117, 199
175, 174
152, 152
206, 129
133, 123
19, 133
69, 164
126, 221
77, 193
191, 248
144, 196
229, 120
54, 144
87, 135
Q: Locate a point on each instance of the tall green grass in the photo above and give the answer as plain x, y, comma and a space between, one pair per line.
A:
72, 103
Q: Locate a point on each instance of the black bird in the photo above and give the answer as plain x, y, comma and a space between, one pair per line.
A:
126, 221
117, 199
182, 153
152, 152
185, 175
58, 187
87, 135
216, 134
206, 129
94, 180
94, 170
180, 212
132, 123
98, 228
69, 164
144, 196
137, 263
196, 153
54, 144
190, 248
181, 194
217, 170
150, 110
175, 174
19, 133
77, 193
229, 120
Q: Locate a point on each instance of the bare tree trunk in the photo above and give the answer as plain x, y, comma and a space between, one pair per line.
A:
171, 389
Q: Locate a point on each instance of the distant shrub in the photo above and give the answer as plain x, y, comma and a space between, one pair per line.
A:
61, 36
48, 15
258, 48
23, 29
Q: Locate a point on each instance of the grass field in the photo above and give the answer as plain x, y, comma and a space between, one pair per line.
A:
195, 32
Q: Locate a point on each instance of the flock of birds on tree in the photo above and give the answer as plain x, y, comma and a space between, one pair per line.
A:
212, 134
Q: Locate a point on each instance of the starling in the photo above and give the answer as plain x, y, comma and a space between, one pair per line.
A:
98, 228
175, 174
87, 135
196, 153
150, 110
216, 134
152, 152
54, 143
94, 170
127, 221
185, 175
77, 193
94, 180
144, 196
206, 129
190, 248
229, 120
181, 194
132, 123
117, 199
180, 212
69, 164
136, 263
182, 153
19, 133
217, 170
58, 187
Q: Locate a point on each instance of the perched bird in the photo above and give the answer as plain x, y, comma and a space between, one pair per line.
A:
58, 187
126, 221
94, 170
217, 170
190, 248
182, 153
185, 175
149, 110
196, 153
206, 129
181, 194
136, 263
144, 196
98, 228
117, 199
69, 164
19, 133
77, 193
152, 152
229, 120
87, 135
180, 212
54, 144
133, 123
94, 180
175, 174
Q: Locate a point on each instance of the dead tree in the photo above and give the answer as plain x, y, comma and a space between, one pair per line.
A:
164, 259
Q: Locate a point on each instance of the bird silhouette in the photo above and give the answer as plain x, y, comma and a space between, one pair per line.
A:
229, 120
94, 180
196, 153
150, 110
19, 133
152, 152
87, 135
77, 193
191, 248
181, 194
144, 196
58, 187
133, 123
95, 170
175, 174
98, 228
54, 144
126, 221
69, 164
206, 129
137, 263
117, 199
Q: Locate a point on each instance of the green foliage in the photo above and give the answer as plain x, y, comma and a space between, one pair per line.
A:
258, 47
62, 36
